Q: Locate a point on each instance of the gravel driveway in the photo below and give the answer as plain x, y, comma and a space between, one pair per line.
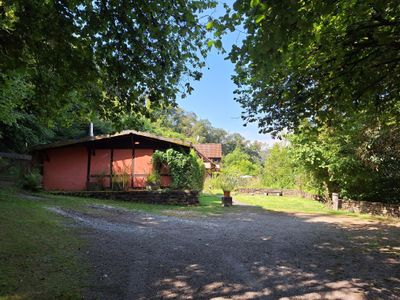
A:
247, 253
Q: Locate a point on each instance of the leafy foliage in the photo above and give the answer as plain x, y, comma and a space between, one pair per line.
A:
177, 123
327, 72
31, 180
346, 162
239, 162
187, 171
68, 61
279, 169
309, 59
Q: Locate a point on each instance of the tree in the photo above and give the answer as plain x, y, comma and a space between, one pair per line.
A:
279, 169
348, 161
334, 66
63, 61
239, 162
320, 60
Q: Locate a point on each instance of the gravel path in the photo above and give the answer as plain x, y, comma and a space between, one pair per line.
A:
246, 254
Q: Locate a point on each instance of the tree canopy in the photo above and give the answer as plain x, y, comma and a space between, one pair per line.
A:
320, 60
63, 61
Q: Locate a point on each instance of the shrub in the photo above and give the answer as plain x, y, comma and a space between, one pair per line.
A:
120, 182
32, 181
154, 180
211, 184
186, 170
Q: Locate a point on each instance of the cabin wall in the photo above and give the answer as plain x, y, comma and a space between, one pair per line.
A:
100, 167
65, 169
142, 166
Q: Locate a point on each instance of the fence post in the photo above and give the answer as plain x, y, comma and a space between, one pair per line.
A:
335, 201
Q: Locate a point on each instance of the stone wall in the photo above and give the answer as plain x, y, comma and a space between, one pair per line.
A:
372, 208
144, 196
278, 192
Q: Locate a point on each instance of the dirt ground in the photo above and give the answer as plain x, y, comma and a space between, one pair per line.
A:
246, 254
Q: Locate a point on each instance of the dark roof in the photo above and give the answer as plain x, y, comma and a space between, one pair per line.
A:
210, 150
110, 136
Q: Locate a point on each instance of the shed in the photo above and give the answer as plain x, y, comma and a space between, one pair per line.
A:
92, 161
211, 154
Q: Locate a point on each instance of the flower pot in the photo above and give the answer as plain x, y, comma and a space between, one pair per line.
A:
227, 193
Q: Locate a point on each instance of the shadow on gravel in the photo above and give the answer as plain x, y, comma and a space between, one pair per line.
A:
251, 254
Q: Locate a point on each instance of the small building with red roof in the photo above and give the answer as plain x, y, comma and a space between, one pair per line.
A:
211, 154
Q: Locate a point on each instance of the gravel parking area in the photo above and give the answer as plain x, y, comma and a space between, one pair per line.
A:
244, 254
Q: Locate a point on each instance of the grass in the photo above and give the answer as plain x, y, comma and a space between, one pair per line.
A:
284, 204
300, 205
209, 204
39, 256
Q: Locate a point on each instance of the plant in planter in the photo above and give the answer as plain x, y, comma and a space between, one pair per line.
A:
153, 181
121, 181
227, 182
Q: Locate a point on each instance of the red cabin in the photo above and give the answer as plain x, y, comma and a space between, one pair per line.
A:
96, 161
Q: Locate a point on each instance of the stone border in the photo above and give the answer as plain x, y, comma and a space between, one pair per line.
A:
371, 208
364, 207
172, 197
278, 192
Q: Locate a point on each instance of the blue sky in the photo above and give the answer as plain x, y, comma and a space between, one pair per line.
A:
213, 97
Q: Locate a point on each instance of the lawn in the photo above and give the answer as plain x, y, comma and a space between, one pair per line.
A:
300, 205
283, 204
40, 256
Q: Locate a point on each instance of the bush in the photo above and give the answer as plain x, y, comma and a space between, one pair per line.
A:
153, 181
32, 181
187, 171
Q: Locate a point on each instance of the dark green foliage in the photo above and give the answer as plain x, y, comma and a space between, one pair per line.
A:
321, 60
68, 61
31, 180
358, 162
186, 170
334, 65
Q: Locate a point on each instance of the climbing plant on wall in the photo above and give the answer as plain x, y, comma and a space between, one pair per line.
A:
186, 170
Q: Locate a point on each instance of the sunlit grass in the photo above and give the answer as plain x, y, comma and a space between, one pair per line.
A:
300, 205
285, 204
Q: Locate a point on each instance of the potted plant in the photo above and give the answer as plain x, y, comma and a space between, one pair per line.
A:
227, 182
153, 181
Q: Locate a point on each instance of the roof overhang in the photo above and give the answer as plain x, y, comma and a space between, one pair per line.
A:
90, 139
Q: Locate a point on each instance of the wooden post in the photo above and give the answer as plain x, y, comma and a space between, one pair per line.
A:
89, 151
111, 167
133, 163
335, 201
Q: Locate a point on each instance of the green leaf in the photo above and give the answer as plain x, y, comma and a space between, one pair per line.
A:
254, 3
260, 18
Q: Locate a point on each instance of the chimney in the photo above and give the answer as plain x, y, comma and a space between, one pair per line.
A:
91, 129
